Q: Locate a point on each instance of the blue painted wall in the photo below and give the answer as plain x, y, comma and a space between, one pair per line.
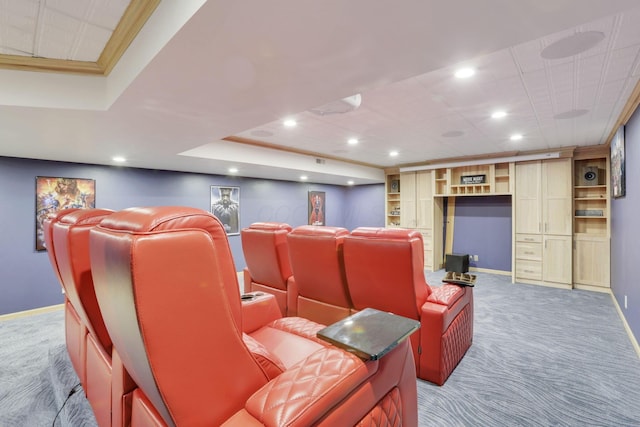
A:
26, 278
625, 231
482, 226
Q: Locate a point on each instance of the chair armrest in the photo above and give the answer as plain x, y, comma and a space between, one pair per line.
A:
258, 311
246, 277
437, 315
446, 294
303, 394
292, 297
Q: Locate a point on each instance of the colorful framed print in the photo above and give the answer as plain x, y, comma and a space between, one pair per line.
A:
55, 194
316, 208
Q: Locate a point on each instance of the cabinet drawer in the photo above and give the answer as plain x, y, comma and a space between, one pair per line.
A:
529, 238
527, 269
531, 251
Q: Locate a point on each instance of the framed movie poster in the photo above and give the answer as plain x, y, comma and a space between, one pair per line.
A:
225, 205
618, 184
54, 194
316, 207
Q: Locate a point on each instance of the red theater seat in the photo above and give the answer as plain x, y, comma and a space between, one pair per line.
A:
385, 270
266, 253
166, 283
105, 383
318, 273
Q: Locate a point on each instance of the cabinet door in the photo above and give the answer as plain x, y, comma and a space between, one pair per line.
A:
556, 189
556, 259
528, 210
592, 261
424, 197
408, 200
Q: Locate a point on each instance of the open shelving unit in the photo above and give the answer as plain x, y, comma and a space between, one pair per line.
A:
591, 225
497, 180
392, 204
590, 197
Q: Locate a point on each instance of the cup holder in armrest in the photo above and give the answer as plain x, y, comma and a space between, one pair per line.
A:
251, 296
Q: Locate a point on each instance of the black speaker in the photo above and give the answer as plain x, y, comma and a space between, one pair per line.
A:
590, 175
458, 263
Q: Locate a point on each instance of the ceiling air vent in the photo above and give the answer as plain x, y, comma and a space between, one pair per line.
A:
341, 106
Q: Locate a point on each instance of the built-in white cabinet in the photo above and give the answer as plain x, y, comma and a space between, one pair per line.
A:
417, 209
561, 212
543, 222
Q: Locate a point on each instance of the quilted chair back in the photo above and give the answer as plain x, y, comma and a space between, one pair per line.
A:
316, 254
70, 235
167, 286
385, 270
266, 253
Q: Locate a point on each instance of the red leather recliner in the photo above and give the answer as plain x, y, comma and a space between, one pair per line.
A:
385, 270
105, 382
266, 253
75, 331
166, 284
318, 273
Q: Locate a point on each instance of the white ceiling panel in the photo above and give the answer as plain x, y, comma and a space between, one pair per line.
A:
237, 69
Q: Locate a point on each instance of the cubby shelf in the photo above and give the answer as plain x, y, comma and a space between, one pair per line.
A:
392, 205
591, 255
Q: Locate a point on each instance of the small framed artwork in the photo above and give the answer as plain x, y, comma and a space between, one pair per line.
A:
225, 205
54, 194
316, 207
618, 184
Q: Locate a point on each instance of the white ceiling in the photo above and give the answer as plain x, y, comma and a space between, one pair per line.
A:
62, 29
202, 71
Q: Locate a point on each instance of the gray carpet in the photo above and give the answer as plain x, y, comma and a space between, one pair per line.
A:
36, 375
540, 357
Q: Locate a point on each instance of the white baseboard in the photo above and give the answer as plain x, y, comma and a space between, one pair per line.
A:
26, 313
488, 270
633, 339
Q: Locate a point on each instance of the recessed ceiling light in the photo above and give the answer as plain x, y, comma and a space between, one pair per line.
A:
352, 141
304, 177
233, 170
290, 123
119, 159
498, 114
393, 153
350, 182
516, 137
465, 73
